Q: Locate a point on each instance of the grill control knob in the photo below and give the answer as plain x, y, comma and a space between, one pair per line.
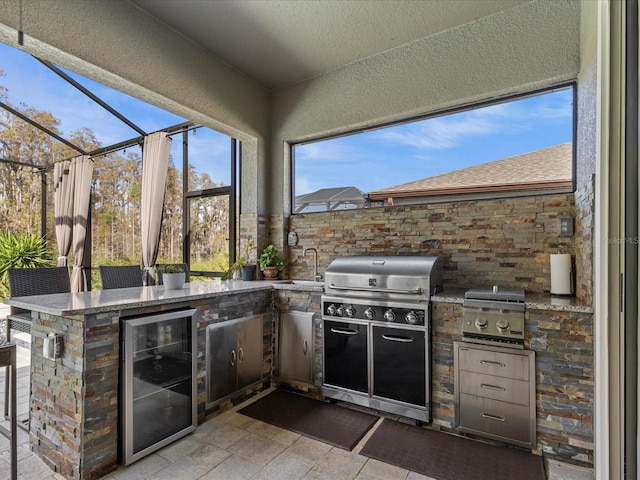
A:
503, 325
411, 318
341, 311
350, 311
369, 313
331, 309
389, 316
481, 322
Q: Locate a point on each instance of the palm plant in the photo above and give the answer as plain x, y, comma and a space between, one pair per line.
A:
21, 250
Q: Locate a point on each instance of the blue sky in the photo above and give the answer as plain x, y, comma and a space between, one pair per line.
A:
32, 84
370, 161
404, 153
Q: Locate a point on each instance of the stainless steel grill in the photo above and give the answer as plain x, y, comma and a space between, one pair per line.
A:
376, 318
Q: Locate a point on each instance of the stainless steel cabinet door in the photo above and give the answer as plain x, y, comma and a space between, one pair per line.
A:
222, 361
250, 333
296, 346
234, 356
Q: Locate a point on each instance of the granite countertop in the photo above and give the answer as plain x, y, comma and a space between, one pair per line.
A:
532, 301
98, 301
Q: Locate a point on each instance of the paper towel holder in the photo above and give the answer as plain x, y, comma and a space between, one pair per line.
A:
562, 274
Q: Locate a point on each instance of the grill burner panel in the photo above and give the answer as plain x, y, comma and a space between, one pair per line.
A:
494, 317
382, 312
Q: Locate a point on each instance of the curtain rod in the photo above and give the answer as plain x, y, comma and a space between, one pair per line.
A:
173, 130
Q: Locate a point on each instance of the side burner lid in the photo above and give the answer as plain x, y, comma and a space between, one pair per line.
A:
495, 293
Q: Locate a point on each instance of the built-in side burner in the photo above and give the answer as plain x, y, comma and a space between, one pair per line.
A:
494, 317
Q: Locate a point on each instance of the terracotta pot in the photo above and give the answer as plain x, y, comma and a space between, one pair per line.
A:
270, 273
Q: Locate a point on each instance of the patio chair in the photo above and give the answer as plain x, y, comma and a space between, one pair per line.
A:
161, 266
24, 282
123, 276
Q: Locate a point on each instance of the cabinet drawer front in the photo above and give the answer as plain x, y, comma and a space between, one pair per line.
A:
510, 365
497, 388
497, 418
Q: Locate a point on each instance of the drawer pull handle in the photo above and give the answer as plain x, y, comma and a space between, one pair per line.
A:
492, 417
394, 338
347, 331
492, 387
491, 362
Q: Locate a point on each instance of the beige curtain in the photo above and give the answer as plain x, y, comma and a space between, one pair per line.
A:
155, 161
63, 208
82, 173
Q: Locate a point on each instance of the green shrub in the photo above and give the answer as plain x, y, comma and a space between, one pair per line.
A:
21, 250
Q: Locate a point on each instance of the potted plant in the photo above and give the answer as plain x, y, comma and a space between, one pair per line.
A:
271, 262
173, 277
249, 263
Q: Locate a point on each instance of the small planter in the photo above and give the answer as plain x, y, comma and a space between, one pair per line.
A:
249, 272
270, 273
173, 281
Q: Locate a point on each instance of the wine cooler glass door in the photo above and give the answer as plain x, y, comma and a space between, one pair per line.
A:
159, 381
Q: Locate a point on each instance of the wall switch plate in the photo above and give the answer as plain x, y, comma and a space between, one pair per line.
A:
565, 226
292, 239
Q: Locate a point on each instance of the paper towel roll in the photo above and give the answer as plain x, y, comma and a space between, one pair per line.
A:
561, 274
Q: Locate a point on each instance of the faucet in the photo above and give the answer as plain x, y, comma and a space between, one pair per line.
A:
316, 277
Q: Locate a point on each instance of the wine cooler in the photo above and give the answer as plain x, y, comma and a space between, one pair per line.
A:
158, 381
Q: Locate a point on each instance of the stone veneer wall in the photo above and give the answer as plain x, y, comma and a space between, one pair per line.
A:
483, 242
585, 225
564, 346
74, 400
563, 342
81, 386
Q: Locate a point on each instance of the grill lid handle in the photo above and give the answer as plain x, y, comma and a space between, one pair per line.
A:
417, 291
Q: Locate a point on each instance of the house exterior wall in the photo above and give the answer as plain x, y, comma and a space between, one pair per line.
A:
523, 48
482, 242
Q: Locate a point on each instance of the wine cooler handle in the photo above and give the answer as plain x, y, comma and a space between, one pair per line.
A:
234, 357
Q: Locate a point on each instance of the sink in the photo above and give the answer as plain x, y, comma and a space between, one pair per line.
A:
308, 283
304, 283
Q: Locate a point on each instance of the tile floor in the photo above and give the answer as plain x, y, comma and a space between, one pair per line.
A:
232, 446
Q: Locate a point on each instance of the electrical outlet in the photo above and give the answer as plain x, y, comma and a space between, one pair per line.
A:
52, 347
565, 226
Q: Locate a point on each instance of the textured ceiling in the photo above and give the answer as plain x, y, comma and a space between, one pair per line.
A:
278, 43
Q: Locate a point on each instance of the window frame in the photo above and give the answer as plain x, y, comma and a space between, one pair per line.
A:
484, 195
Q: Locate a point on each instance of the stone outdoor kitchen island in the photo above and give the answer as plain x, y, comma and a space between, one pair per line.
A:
75, 399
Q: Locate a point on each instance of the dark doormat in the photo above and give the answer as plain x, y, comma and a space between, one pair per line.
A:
448, 457
332, 424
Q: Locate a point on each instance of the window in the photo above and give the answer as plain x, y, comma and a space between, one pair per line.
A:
518, 146
200, 215
210, 213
